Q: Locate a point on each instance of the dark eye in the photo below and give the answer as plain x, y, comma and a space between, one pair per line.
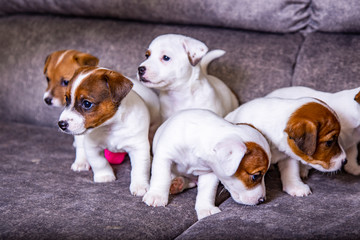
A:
166, 58
147, 54
64, 82
67, 99
329, 143
47, 79
256, 177
87, 105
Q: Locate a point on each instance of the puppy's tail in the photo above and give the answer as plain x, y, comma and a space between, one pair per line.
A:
210, 56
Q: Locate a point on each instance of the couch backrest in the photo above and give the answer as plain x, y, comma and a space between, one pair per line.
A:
281, 16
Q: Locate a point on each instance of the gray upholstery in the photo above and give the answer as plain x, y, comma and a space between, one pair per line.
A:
268, 44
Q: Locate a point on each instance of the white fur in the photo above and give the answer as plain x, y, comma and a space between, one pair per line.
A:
181, 85
127, 131
270, 116
200, 143
346, 108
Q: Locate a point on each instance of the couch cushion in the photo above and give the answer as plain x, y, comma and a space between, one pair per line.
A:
330, 212
335, 16
41, 198
329, 62
272, 16
254, 64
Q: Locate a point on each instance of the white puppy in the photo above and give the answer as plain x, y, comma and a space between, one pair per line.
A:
101, 105
305, 130
199, 143
346, 104
176, 66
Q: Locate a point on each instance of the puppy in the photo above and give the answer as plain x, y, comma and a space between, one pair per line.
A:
176, 67
101, 105
198, 143
304, 130
59, 68
347, 106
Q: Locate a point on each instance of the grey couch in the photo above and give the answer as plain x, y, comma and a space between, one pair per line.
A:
269, 44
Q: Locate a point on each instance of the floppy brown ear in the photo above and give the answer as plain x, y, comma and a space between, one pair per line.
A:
357, 97
303, 134
195, 50
47, 61
85, 59
119, 86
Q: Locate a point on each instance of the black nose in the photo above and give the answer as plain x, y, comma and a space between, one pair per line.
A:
48, 101
63, 125
142, 70
261, 200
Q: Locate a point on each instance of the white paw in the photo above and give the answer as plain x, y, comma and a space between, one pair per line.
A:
205, 212
80, 166
139, 189
297, 190
156, 199
354, 170
102, 178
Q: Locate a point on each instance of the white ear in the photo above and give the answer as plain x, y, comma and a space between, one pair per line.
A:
195, 50
229, 155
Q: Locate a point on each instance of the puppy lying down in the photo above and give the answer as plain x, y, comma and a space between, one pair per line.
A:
198, 143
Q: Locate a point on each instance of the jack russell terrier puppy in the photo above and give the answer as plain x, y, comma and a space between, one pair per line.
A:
176, 66
59, 68
346, 104
101, 105
304, 130
198, 143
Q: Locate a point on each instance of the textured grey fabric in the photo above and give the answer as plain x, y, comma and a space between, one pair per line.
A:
272, 16
329, 62
335, 16
41, 198
254, 64
331, 212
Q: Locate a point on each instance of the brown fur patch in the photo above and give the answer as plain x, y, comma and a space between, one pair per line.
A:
255, 162
104, 89
357, 97
57, 72
313, 132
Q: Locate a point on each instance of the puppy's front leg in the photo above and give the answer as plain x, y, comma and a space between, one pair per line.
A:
158, 194
140, 170
80, 163
290, 178
101, 168
352, 165
205, 198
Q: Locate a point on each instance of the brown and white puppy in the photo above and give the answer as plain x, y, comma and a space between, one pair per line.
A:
346, 104
101, 105
305, 130
59, 68
197, 143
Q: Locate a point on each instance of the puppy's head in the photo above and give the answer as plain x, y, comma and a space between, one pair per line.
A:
169, 61
92, 97
243, 165
313, 132
59, 68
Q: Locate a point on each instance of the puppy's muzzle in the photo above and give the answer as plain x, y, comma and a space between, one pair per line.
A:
63, 125
48, 101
